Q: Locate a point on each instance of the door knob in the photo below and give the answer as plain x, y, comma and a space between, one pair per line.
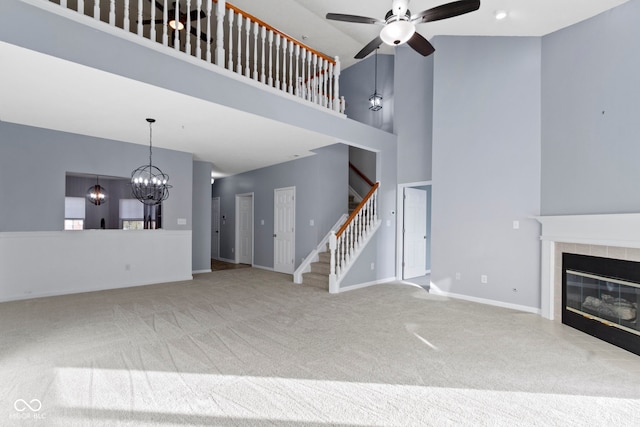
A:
275, 235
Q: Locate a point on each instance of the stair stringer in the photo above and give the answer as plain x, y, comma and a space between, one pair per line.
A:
305, 265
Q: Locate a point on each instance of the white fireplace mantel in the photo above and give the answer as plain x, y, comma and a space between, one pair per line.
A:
619, 230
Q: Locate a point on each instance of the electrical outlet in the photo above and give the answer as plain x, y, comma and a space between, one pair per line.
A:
458, 276
484, 278
516, 225
373, 265
232, 250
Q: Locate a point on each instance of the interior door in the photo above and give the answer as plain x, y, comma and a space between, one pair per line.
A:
245, 229
284, 230
215, 228
414, 261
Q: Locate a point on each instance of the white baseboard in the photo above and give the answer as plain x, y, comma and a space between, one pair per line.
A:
201, 271
84, 290
434, 290
366, 284
262, 267
232, 261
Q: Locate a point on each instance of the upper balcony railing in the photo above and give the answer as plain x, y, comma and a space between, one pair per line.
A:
217, 32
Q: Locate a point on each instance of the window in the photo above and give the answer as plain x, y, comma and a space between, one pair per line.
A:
74, 224
128, 224
131, 214
74, 213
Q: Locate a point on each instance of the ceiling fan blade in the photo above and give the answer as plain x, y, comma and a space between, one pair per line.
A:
202, 36
421, 45
353, 18
373, 45
445, 11
149, 21
195, 15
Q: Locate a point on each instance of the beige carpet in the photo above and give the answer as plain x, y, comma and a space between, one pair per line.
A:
248, 347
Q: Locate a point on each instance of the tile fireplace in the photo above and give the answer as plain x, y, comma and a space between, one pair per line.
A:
590, 274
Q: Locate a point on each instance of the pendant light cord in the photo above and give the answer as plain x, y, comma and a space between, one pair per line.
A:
375, 78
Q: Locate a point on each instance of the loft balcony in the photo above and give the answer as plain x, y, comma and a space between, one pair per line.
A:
221, 34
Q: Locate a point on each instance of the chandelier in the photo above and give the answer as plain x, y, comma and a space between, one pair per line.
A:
148, 183
96, 194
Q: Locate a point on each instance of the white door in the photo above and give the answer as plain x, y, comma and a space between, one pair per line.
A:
284, 233
215, 228
245, 229
415, 233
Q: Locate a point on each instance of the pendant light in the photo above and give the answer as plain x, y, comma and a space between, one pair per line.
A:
96, 194
375, 100
148, 183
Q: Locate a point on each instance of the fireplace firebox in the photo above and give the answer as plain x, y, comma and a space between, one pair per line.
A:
600, 296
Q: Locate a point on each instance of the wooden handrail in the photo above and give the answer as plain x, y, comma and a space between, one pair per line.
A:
355, 212
360, 174
275, 30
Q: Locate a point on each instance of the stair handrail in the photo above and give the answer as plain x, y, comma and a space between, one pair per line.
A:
360, 174
347, 243
357, 209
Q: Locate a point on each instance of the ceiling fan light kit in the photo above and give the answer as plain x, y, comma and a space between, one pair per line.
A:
397, 32
399, 25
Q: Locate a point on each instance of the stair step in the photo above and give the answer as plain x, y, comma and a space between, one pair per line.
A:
324, 257
321, 268
316, 279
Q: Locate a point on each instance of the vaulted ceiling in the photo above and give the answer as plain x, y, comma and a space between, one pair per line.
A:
306, 18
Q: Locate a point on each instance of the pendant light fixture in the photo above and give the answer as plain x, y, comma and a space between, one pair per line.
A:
96, 194
148, 183
375, 100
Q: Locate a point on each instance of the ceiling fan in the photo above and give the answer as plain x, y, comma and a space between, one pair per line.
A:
399, 25
177, 22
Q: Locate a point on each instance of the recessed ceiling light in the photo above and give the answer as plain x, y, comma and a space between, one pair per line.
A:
501, 14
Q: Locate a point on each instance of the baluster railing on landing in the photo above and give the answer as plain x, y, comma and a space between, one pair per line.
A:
241, 42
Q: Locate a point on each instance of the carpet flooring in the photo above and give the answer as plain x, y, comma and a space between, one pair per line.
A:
248, 347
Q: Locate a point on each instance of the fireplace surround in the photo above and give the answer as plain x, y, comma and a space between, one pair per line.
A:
610, 236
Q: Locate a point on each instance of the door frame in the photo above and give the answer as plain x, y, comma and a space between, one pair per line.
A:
400, 222
212, 230
236, 257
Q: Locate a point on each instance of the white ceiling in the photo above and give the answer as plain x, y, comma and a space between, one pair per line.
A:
87, 101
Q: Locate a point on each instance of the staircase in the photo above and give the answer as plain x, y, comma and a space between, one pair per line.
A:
319, 274
327, 265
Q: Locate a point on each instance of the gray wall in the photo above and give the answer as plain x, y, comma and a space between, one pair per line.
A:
590, 121
413, 113
321, 195
201, 236
357, 85
34, 163
486, 167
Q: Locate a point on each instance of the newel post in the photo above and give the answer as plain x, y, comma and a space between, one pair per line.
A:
336, 85
333, 244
